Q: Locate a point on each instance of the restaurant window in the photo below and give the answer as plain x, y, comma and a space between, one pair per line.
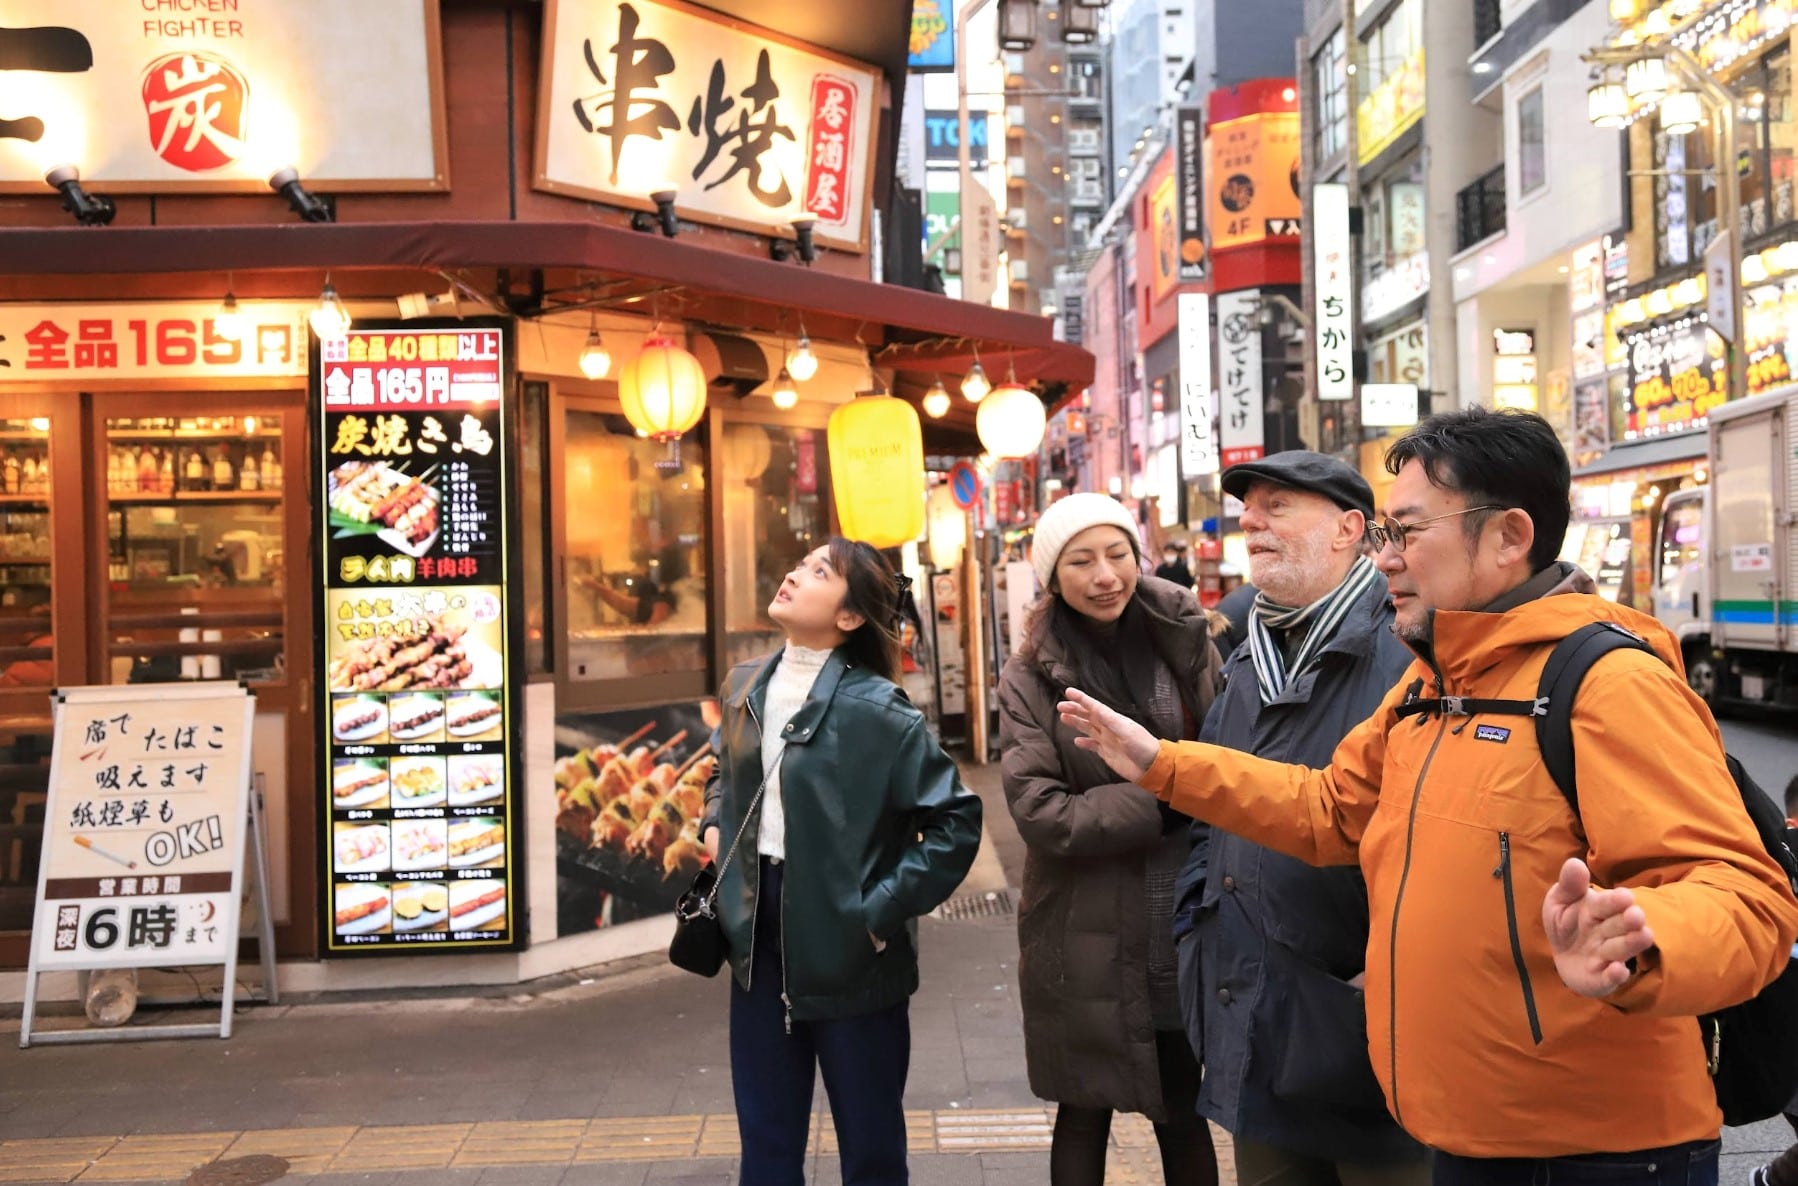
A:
197, 548
25, 640
1329, 83
534, 520
635, 550
1532, 143
1766, 135
776, 510
1390, 46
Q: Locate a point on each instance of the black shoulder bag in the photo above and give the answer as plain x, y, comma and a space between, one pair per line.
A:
698, 945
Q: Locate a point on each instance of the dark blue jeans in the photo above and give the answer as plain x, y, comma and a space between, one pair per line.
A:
864, 1060
1692, 1164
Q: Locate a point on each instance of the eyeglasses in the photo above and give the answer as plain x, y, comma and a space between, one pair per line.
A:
1393, 532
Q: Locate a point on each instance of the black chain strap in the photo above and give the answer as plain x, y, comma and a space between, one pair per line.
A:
706, 906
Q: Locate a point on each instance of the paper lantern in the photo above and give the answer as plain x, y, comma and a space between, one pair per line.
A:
663, 390
1011, 421
747, 451
948, 528
877, 470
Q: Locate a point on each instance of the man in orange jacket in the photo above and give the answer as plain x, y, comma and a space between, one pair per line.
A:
1524, 1044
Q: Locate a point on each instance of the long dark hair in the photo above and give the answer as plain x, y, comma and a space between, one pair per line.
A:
873, 593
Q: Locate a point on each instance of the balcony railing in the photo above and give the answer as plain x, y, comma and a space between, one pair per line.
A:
1480, 210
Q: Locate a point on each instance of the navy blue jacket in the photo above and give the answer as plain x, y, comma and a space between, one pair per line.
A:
1285, 1035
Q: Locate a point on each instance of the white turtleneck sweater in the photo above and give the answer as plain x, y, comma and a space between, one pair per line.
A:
787, 690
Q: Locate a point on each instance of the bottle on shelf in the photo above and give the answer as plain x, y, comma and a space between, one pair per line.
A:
271, 468
9, 475
193, 477
147, 471
222, 474
165, 482
114, 480
249, 477
43, 473
28, 475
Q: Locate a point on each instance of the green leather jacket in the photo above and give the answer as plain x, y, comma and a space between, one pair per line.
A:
879, 830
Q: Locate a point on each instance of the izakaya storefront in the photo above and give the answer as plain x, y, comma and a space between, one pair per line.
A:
482, 616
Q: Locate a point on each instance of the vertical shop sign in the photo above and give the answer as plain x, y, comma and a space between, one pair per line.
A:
417, 711
1334, 315
931, 49
1189, 144
1198, 441
1240, 396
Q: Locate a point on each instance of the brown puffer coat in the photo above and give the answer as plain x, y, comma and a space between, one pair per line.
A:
1083, 931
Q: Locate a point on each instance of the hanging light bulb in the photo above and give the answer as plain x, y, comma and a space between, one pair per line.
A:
329, 319
784, 394
1607, 106
228, 322
802, 364
975, 385
936, 401
595, 360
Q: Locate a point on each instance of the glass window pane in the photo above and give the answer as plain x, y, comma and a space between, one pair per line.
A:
25, 637
24, 787
636, 551
1532, 149
198, 549
776, 509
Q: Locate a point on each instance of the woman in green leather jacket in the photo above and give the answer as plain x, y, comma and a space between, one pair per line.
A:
849, 821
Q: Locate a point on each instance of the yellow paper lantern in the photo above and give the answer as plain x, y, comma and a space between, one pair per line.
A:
1011, 421
747, 451
663, 390
877, 470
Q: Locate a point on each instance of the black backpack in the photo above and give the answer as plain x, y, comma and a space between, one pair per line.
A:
1751, 1048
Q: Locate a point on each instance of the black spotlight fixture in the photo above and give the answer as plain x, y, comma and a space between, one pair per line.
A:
664, 218
301, 200
88, 209
803, 245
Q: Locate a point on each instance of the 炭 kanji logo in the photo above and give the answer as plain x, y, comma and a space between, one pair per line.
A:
195, 103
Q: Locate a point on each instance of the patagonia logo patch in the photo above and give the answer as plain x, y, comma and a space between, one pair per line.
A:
1491, 733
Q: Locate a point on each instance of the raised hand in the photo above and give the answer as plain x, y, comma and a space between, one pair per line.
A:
1594, 932
1126, 746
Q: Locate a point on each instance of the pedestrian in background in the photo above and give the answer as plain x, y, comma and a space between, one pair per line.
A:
1783, 1170
1173, 565
1532, 975
1272, 950
1096, 966
850, 822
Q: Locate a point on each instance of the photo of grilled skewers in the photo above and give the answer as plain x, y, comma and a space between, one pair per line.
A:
380, 497
627, 815
436, 658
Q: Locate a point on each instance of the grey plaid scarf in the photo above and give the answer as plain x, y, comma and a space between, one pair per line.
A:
1319, 621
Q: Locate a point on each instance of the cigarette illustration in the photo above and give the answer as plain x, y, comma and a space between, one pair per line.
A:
84, 842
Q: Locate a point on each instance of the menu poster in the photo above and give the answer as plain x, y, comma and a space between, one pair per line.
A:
420, 815
630, 789
144, 827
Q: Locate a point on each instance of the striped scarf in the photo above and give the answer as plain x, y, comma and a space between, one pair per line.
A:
1319, 621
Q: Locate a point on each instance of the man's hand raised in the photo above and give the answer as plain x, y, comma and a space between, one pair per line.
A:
1594, 932
1126, 746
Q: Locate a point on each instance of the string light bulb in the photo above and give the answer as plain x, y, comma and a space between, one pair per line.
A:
785, 395
330, 320
975, 384
802, 364
936, 401
595, 360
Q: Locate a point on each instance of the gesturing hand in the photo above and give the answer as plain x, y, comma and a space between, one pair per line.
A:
1593, 932
1126, 746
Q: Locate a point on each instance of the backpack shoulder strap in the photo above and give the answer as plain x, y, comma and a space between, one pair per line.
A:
1567, 665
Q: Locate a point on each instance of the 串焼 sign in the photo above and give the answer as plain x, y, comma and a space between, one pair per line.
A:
750, 129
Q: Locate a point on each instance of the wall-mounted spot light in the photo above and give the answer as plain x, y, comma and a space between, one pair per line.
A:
664, 217
88, 209
302, 201
803, 244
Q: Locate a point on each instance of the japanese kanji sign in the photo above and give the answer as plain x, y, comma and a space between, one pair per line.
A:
1333, 319
1198, 440
1240, 392
144, 827
418, 797
748, 128
150, 340
218, 96
1252, 176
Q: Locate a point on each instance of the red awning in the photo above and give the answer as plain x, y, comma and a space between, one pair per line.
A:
924, 332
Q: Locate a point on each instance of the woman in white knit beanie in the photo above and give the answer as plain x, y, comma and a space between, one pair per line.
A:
1097, 967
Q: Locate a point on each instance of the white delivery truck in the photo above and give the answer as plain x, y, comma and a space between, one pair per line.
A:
1726, 571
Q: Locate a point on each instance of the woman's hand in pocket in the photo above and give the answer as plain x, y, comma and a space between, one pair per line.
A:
710, 841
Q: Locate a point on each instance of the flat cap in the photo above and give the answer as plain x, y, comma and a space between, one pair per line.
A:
1301, 469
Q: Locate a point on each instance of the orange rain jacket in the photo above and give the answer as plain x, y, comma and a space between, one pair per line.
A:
1460, 831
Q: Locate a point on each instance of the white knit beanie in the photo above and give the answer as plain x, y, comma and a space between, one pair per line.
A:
1070, 516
